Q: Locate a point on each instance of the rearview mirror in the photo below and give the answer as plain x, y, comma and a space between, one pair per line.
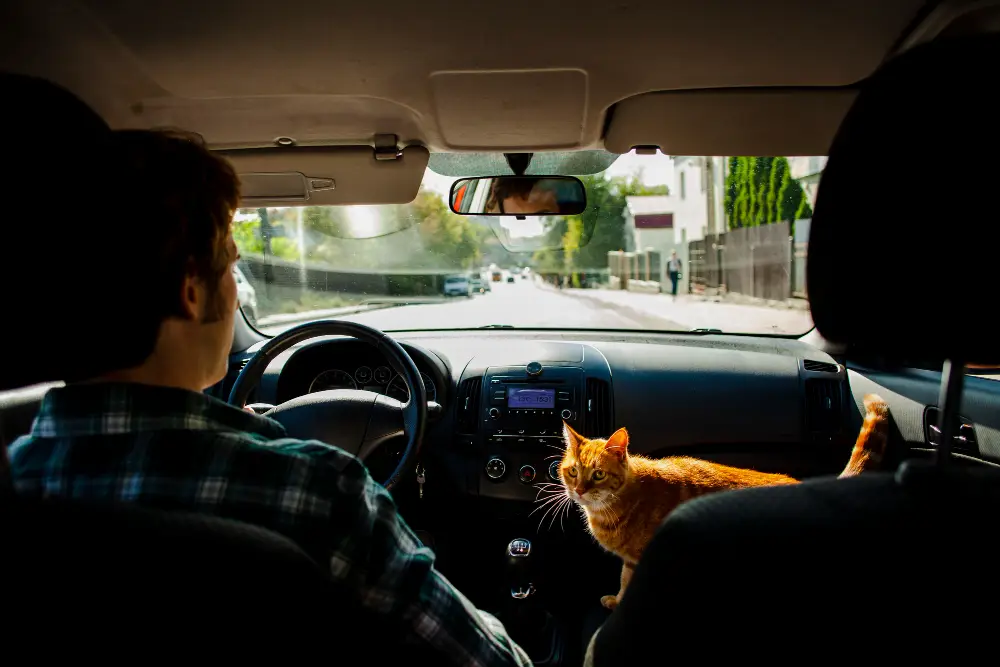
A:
519, 196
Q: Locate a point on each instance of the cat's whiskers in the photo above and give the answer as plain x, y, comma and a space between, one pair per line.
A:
558, 511
566, 508
547, 501
560, 499
549, 492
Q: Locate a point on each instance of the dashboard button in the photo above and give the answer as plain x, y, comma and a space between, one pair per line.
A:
494, 413
566, 414
526, 474
554, 471
495, 468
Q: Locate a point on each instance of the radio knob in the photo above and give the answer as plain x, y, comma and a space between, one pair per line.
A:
554, 471
526, 474
495, 468
565, 414
494, 413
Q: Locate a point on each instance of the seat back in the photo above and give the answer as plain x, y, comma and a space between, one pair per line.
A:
830, 567
159, 577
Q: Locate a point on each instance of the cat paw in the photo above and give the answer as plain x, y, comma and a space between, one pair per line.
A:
609, 601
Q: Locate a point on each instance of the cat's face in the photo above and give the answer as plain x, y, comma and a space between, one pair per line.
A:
594, 470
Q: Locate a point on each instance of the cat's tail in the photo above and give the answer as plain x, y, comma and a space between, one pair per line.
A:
870, 446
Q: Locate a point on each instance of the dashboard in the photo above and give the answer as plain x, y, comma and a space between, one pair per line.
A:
772, 404
350, 364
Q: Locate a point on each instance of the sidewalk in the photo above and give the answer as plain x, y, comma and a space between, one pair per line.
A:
716, 312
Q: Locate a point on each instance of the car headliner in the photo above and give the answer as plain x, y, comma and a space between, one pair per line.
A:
716, 77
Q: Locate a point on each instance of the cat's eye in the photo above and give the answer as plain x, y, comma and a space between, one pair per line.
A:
599, 475
572, 471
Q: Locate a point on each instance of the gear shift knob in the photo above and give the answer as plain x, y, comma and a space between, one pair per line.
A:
519, 548
519, 566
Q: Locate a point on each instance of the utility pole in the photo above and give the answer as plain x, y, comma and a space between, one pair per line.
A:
709, 168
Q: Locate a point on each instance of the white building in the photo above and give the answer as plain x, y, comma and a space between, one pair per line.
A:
807, 171
649, 223
697, 192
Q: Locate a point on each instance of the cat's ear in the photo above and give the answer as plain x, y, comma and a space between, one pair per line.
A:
618, 444
572, 438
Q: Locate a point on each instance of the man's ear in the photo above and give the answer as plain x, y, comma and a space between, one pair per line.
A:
572, 438
192, 297
618, 444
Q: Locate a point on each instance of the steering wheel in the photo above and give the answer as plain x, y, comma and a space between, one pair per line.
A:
357, 421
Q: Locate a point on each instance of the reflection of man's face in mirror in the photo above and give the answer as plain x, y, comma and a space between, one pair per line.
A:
540, 201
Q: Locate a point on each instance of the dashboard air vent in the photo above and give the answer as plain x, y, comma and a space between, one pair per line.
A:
598, 409
819, 366
468, 404
824, 406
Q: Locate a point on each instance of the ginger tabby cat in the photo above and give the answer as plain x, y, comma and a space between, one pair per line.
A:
625, 497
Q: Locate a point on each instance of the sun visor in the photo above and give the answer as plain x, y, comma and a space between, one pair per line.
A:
328, 176
730, 122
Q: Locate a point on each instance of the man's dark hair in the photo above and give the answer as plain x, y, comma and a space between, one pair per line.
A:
187, 197
509, 186
168, 218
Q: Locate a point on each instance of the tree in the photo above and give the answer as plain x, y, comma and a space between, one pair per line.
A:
761, 190
791, 199
450, 237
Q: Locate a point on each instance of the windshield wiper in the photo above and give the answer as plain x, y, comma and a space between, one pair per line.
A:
705, 330
496, 326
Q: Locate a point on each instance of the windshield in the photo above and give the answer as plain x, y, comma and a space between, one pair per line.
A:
679, 243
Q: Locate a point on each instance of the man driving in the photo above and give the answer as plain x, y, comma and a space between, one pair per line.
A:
159, 264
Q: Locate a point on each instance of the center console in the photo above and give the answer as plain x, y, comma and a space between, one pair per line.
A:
520, 424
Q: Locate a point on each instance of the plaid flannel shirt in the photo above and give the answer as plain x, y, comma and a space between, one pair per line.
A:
179, 450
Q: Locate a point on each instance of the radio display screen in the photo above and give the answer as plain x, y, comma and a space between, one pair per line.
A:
531, 398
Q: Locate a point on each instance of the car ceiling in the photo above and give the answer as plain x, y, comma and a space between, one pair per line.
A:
516, 75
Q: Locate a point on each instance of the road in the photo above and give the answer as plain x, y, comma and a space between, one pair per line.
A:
520, 304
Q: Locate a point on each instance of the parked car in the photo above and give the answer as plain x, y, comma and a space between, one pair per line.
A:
246, 294
510, 279
479, 286
457, 286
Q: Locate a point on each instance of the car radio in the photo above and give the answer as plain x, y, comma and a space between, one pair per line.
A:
523, 410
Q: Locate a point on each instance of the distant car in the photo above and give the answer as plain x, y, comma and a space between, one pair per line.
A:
510, 279
497, 276
457, 286
246, 294
479, 286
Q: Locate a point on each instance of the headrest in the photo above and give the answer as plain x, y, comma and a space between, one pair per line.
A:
903, 251
53, 189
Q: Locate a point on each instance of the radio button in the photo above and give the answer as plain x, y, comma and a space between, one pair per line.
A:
526, 474
494, 413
